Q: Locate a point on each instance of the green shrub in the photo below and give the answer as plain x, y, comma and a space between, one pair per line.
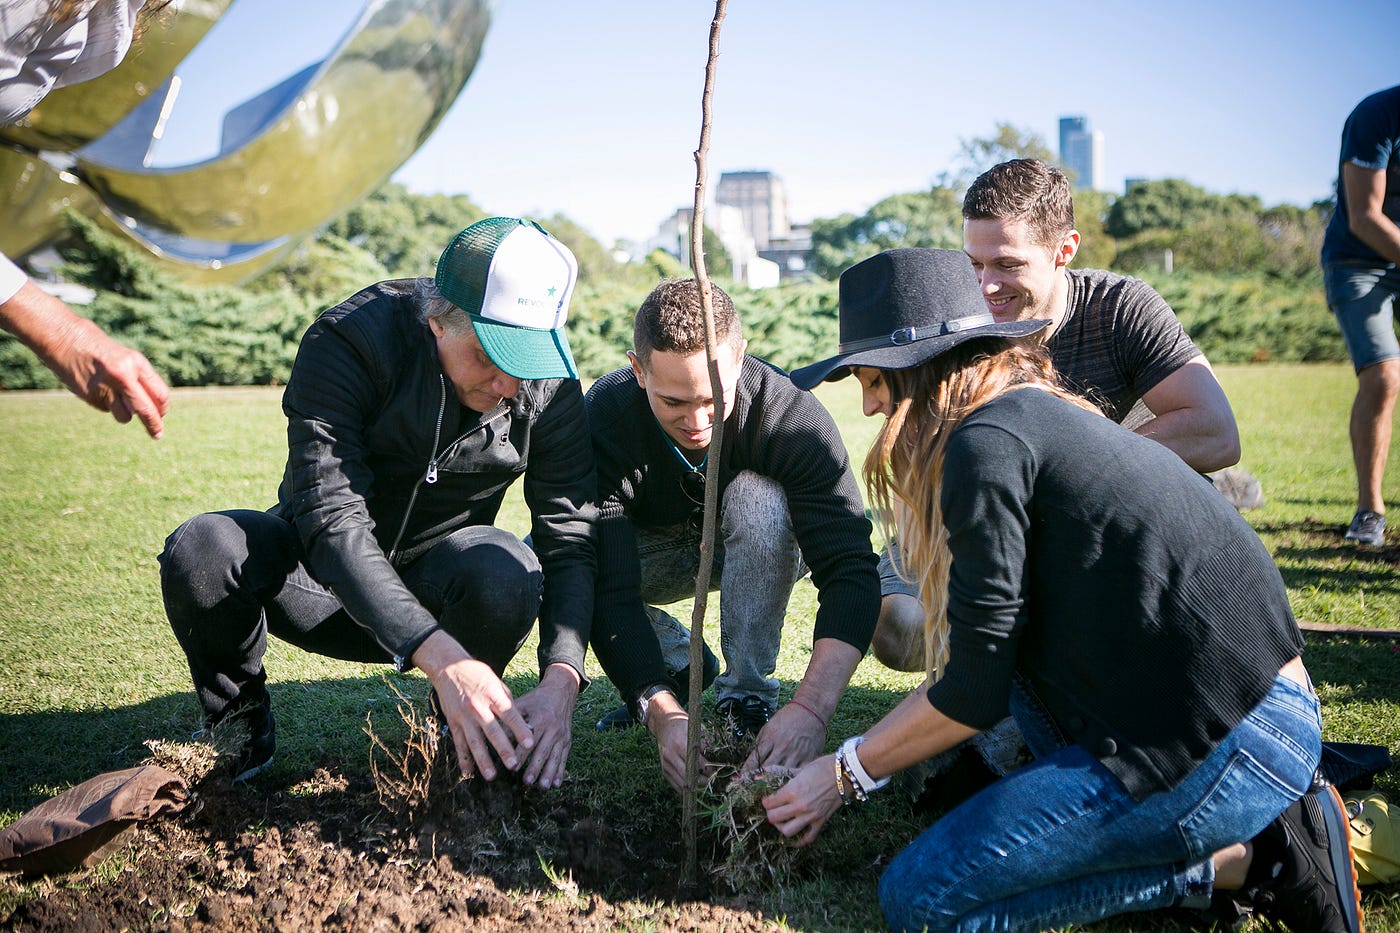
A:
1252, 319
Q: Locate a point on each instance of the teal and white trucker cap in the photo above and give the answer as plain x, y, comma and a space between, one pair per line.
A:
514, 280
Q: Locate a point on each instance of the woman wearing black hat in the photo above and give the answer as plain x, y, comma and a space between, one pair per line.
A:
1086, 581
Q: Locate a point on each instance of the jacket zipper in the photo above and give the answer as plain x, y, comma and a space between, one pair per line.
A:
430, 476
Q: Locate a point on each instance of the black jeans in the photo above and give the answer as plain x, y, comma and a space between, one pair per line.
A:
230, 578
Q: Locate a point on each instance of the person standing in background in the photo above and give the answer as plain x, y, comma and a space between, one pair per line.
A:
1359, 254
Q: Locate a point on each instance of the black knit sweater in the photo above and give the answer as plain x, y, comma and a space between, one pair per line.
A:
776, 430
1130, 596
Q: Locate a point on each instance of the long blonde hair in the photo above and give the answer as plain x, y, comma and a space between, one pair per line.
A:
904, 468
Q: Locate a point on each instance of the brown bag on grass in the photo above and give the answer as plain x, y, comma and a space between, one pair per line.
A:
83, 825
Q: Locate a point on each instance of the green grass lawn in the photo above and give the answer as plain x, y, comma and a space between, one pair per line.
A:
91, 671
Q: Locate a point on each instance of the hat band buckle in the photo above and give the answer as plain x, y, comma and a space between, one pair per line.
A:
908, 335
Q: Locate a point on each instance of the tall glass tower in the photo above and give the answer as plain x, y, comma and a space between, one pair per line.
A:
1081, 151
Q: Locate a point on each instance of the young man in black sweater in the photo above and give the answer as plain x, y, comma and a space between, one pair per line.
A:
789, 503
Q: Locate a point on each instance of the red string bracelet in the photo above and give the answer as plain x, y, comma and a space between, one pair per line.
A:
810, 710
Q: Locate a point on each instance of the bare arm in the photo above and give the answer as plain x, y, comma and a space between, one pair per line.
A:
1193, 418
911, 732
94, 367
797, 732
1365, 194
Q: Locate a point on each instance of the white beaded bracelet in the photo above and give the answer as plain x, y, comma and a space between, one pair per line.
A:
859, 776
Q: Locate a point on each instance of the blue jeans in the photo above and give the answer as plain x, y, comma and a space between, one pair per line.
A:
1061, 841
891, 572
757, 561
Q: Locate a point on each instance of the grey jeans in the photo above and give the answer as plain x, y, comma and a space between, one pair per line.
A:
757, 561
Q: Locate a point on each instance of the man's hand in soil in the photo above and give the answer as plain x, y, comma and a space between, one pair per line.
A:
797, 732
791, 738
668, 723
802, 806
549, 711
478, 707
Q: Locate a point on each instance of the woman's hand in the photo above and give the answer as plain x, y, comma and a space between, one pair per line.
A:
801, 807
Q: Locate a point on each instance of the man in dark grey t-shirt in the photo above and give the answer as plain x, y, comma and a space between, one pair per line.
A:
1112, 338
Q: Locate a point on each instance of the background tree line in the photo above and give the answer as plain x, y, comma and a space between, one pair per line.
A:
1242, 276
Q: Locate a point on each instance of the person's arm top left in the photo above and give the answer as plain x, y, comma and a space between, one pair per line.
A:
108, 376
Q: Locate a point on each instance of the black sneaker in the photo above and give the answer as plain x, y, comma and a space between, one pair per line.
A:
255, 712
622, 718
1309, 881
744, 717
256, 756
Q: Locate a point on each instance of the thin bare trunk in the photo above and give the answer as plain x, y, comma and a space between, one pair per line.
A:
707, 534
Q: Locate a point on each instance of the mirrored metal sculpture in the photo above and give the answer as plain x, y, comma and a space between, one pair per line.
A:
291, 156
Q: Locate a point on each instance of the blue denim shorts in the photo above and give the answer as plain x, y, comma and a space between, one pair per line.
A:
1363, 300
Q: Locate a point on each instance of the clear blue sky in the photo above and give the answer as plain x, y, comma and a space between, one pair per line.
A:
593, 109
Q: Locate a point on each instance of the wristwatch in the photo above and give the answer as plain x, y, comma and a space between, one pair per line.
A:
639, 709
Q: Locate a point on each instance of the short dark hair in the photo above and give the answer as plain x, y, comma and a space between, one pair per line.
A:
671, 320
1024, 189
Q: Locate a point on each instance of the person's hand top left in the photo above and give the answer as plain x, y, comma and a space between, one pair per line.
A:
114, 378
548, 710
108, 376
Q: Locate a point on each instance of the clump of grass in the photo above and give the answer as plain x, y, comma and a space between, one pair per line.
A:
723, 745
195, 761
752, 855
212, 754
410, 777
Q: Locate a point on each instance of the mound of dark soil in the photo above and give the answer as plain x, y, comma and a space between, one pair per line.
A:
327, 855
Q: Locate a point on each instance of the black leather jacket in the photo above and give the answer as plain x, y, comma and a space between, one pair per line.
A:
383, 462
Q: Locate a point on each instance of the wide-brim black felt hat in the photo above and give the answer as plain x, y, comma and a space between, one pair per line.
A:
902, 307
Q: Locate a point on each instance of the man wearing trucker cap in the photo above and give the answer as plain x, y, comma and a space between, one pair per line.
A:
412, 406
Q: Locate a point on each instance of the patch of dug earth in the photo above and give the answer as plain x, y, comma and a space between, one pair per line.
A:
410, 846
328, 856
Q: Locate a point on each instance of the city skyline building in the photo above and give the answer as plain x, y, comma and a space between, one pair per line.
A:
761, 200
1081, 151
751, 220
